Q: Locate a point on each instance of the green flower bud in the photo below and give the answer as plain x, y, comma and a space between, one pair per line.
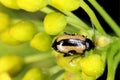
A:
6, 38
102, 41
4, 21
23, 31
11, 64
32, 5
54, 23
41, 42
72, 76
92, 65
65, 5
10, 4
34, 74
70, 64
5, 76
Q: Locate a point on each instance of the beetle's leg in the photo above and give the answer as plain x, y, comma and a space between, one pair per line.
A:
66, 55
70, 53
69, 34
74, 58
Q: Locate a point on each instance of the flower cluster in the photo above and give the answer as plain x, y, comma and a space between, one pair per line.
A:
50, 18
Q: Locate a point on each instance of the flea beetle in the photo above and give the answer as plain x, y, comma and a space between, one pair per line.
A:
72, 44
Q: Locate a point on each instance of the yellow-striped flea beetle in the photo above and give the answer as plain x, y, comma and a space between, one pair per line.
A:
72, 44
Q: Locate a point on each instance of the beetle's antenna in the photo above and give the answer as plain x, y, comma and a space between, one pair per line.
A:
93, 31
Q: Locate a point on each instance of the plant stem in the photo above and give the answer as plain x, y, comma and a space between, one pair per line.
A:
76, 20
113, 58
106, 17
116, 60
55, 69
77, 24
111, 71
35, 58
92, 17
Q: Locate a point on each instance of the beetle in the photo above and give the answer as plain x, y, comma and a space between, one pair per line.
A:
72, 44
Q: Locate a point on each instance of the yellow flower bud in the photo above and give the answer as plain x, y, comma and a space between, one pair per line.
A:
6, 38
5, 76
86, 77
11, 64
41, 42
4, 21
92, 65
70, 64
34, 74
10, 4
72, 76
32, 5
54, 23
102, 41
23, 31
65, 5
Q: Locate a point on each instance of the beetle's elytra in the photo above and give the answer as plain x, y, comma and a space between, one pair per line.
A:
71, 44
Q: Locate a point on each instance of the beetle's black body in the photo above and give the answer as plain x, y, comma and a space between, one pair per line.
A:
71, 44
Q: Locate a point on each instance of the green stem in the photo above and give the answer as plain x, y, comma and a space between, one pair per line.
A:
116, 60
106, 17
35, 58
76, 20
112, 65
77, 24
113, 58
47, 10
54, 69
92, 17
111, 71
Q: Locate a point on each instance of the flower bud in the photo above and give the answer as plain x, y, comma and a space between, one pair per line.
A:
70, 64
65, 5
32, 5
92, 65
11, 64
10, 4
72, 76
5, 76
54, 23
34, 74
4, 21
41, 42
102, 41
6, 38
86, 77
23, 31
